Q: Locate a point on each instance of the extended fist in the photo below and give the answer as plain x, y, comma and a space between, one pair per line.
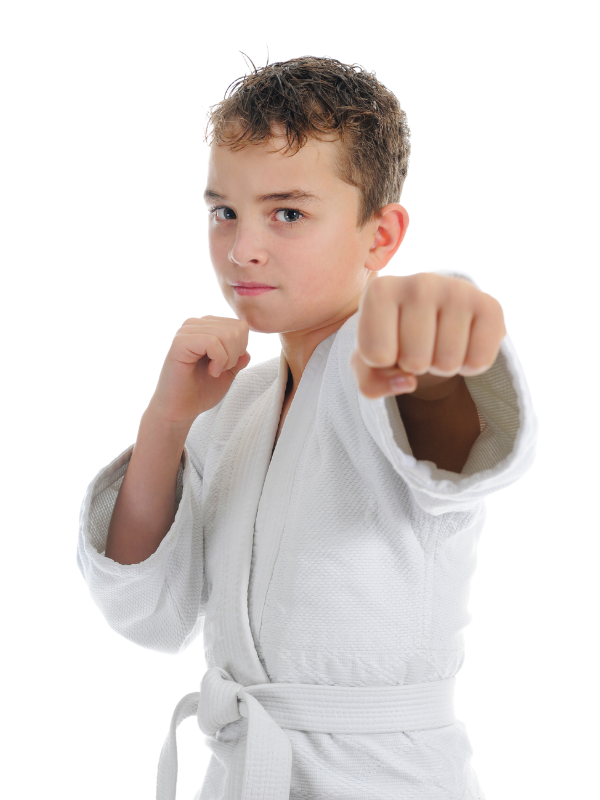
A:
425, 325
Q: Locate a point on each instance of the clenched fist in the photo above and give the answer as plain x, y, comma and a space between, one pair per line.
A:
423, 329
205, 356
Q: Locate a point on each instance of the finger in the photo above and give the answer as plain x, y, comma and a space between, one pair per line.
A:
230, 339
192, 321
232, 333
452, 341
242, 363
416, 335
226, 357
487, 332
211, 346
374, 382
377, 331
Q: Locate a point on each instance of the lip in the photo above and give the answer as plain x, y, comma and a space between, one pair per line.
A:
252, 291
252, 285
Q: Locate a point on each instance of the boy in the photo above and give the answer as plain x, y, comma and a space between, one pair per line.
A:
316, 518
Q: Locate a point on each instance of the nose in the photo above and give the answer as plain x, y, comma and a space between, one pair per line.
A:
247, 248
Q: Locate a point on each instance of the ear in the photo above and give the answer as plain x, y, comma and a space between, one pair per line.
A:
390, 228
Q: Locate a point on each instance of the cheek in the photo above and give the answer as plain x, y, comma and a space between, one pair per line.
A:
328, 268
331, 243
344, 237
340, 254
306, 276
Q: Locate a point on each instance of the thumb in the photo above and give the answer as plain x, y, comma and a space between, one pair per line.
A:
242, 362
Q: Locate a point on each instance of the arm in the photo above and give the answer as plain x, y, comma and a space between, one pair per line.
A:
427, 332
410, 433
156, 599
145, 507
441, 421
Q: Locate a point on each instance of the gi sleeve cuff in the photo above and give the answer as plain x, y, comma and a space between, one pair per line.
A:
503, 452
96, 512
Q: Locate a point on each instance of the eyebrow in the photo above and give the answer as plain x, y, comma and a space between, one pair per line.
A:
299, 195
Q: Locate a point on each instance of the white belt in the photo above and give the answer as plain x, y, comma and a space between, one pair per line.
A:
270, 707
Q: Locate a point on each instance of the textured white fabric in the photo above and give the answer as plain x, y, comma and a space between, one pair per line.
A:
340, 561
269, 707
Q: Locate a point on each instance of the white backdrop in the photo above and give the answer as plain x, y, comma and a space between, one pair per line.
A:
104, 255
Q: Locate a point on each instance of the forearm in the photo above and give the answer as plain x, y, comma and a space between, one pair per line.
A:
441, 421
145, 507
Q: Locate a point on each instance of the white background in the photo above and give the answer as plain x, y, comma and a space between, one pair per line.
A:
104, 254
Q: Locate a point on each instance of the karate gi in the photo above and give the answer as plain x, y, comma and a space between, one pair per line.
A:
337, 571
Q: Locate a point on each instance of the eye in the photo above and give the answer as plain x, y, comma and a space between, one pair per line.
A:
290, 215
227, 213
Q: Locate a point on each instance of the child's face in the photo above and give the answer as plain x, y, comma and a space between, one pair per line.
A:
316, 264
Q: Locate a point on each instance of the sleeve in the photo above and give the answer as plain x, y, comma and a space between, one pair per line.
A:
503, 452
157, 603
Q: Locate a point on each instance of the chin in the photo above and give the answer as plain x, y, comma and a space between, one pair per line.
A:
256, 322
258, 327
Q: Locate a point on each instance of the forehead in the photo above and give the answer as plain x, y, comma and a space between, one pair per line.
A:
272, 160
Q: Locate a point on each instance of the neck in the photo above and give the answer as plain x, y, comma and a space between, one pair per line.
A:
298, 346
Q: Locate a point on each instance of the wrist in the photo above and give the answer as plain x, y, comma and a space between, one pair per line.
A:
435, 387
174, 430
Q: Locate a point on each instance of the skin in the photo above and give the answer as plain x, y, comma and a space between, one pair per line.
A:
318, 265
431, 329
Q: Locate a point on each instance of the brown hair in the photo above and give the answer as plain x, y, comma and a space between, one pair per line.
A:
313, 96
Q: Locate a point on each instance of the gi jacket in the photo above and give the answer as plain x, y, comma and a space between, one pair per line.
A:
340, 561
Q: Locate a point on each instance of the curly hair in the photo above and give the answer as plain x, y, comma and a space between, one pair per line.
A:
316, 97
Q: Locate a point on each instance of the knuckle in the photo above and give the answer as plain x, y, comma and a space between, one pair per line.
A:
371, 351
478, 365
380, 287
459, 293
215, 338
421, 286
446, 363
500, 319
225, 333
384, 280
493, 307
375, 356
414, 364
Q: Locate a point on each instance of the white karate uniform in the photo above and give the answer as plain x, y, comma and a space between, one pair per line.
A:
341, 563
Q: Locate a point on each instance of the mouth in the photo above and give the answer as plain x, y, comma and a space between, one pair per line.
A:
251, 285
252, 291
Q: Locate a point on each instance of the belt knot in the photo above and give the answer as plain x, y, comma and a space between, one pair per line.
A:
271, 708
218, 704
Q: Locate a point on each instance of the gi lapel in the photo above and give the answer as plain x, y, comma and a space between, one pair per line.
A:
274, 505
241, 470
244, 464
